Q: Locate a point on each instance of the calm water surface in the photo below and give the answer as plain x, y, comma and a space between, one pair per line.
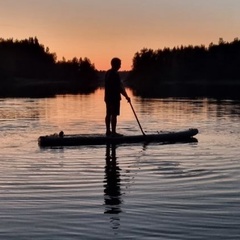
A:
155, 191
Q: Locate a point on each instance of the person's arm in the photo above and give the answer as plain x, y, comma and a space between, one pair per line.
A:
124, 93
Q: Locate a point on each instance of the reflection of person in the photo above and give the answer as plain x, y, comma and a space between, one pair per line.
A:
113, 90
112, 181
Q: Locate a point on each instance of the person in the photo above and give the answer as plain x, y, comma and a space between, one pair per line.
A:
112, 97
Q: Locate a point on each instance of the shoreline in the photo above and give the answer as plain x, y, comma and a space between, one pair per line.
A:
22, 87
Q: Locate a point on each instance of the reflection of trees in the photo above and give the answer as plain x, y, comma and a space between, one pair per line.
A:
112, 187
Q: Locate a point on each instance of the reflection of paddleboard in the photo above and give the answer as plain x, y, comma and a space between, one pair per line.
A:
98, 139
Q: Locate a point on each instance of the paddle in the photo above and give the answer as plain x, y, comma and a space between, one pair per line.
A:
137, 118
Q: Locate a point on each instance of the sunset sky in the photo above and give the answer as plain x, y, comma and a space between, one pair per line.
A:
102, 29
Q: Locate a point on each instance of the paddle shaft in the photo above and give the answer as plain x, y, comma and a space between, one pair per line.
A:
137, 118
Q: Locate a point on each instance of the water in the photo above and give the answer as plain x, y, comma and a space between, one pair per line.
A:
155, 191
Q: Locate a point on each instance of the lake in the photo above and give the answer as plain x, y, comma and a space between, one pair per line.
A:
131, 191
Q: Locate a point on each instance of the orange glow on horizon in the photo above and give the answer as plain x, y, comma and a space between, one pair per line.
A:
101, 30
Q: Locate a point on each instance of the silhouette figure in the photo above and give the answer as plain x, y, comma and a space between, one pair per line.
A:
113, 90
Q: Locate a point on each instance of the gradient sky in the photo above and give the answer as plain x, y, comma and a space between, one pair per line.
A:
102, 29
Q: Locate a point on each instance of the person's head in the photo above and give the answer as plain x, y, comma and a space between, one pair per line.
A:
116, 63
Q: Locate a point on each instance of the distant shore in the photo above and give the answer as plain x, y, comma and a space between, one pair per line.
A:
48, 88
193, 89
43, 88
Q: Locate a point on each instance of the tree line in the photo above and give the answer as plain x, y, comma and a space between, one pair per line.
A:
190, 64
28, 59
152, 70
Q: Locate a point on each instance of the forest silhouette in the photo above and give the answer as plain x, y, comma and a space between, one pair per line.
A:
188, 71
29, 68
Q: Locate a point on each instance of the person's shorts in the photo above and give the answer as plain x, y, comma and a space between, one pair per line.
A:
113, 108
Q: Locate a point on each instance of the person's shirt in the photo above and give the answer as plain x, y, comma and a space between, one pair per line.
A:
113, 86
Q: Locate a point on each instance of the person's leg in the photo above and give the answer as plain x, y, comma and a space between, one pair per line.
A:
116, 112
107, 122
114, 123
108, 119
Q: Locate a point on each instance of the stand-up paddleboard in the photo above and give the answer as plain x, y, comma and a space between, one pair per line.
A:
98, 139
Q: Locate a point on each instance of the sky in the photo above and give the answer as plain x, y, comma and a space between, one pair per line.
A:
103, 29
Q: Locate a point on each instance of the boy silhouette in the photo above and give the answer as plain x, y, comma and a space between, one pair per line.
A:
113, 90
